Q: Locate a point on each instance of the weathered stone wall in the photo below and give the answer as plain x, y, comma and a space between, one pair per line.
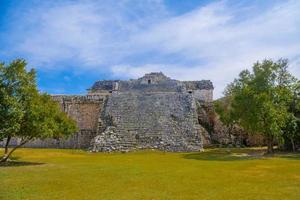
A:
201, 90
203, 95
198, 85
156, 82
219, 134
162, 86
166, 121
85, 110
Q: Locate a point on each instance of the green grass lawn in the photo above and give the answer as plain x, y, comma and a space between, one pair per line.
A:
214, 174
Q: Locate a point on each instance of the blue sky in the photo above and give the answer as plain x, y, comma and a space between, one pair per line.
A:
74, 43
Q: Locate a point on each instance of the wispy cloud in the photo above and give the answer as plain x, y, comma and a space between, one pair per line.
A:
128, 38
91, 33
223, 44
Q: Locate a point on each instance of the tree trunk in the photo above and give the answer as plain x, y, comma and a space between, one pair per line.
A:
270, 145
6, 144
293, 145
8, 154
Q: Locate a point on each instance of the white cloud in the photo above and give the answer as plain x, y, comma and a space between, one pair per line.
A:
91, 33
215, 35
214, 42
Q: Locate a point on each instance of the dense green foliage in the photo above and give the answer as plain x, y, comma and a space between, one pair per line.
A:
24, 112
223, 108
215, 174
291, 130
263, 101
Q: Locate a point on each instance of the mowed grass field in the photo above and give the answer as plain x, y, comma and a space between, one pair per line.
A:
227, 174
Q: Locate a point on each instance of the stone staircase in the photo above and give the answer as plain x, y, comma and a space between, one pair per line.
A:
166, 121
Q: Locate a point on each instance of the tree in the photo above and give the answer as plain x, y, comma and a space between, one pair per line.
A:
291, 131
24, 112
260, 99
223, 108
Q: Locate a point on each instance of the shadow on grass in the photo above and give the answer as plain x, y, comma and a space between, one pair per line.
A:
223, 154
226, 155
19, 164
290, 156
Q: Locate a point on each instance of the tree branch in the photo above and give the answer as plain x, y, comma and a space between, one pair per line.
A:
7, 155
6, 144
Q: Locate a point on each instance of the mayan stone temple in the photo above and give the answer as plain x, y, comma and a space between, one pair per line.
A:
152, 112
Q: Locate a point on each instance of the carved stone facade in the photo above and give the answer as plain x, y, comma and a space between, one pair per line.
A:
153, 112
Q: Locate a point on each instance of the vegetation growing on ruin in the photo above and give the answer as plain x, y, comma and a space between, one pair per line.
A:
211, 175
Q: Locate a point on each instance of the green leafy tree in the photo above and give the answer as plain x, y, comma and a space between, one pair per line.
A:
291, 131
223, 108
260, 99
24, 112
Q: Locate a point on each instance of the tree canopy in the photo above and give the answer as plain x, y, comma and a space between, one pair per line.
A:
260, 100
24, 112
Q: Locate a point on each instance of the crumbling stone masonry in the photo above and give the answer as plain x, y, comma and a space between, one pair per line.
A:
85, 110
153, 112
